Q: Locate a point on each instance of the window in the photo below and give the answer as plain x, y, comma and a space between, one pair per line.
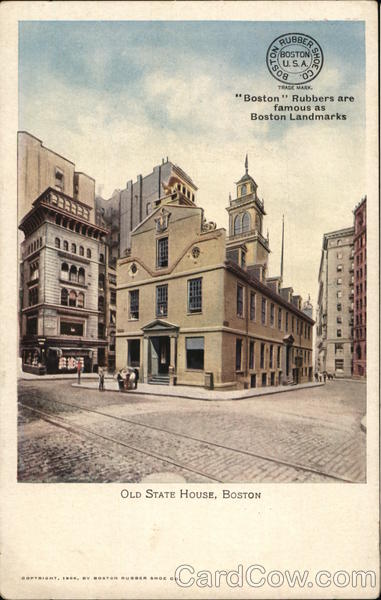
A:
74, 249
57, 243
339, 268
195, 352
278, 358
339, 281
59, 178
358, 351
338, 306
252, 306
279, 318
262, 359
339, 294
112, 297
72, 298
148, 208
81, 300
271, 356
338, 333
286, 322
101, 258
245, 222
88, 253
33, 296
64, 297
134, 353
339, 242
339, 255
101, 303
162, 300
65, 271
243, 190
34, 272
251, 355
293, 324
243, 259
31, 326
113, 317
81, 251
272, 309
81, 275
339, 319
101, 281
238, 354
195, 295
134, 304
239, 300
237, 224
66, 246
73, 274
263, 312
339, 364
162, 252
68, 328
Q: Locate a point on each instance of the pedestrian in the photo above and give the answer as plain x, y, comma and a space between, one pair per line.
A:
316, 376
101, 379
132, 380
79, 368
120, 381
136, 378
325, 376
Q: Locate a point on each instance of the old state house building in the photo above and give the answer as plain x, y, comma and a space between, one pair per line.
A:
195, 307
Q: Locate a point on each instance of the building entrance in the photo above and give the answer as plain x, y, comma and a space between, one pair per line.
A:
160, 355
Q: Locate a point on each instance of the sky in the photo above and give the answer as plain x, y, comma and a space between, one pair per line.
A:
117, 97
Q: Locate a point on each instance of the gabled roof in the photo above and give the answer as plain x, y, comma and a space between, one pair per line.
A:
159, 325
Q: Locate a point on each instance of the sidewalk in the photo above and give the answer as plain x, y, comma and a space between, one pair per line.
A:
196, 393
32, 377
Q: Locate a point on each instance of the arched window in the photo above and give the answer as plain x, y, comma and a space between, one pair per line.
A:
101, 303
243, 190
81, 251
101, 281
64, 296
339, 242
72, 298
101, 258
88, 253
65, 271
237, 225
57, 243
73, 275
81, 300
74, 249
66, 246
246, 222
81, 275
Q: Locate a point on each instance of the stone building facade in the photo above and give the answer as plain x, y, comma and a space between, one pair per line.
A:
359, 342
194, 308
335, 306
128, 207
60, 260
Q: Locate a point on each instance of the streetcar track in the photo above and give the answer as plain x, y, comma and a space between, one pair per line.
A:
275, 460
49, 418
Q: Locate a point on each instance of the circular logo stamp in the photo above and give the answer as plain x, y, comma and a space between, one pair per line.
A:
294, 58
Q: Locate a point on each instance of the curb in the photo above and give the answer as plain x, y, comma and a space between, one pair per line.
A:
213, 399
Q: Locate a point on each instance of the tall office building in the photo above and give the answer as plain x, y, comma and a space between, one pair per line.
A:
359, 342
335, 306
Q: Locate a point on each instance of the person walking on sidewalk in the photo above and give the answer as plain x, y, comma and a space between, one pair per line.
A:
79, 368
120, 381
101, 376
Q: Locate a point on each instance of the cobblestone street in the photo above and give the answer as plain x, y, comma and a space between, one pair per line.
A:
71, 434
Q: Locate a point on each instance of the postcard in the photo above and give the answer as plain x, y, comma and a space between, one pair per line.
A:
190, 280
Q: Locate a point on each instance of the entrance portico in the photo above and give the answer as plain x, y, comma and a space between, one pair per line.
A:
159, 350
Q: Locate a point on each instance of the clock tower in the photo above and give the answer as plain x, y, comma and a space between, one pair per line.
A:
246, 244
